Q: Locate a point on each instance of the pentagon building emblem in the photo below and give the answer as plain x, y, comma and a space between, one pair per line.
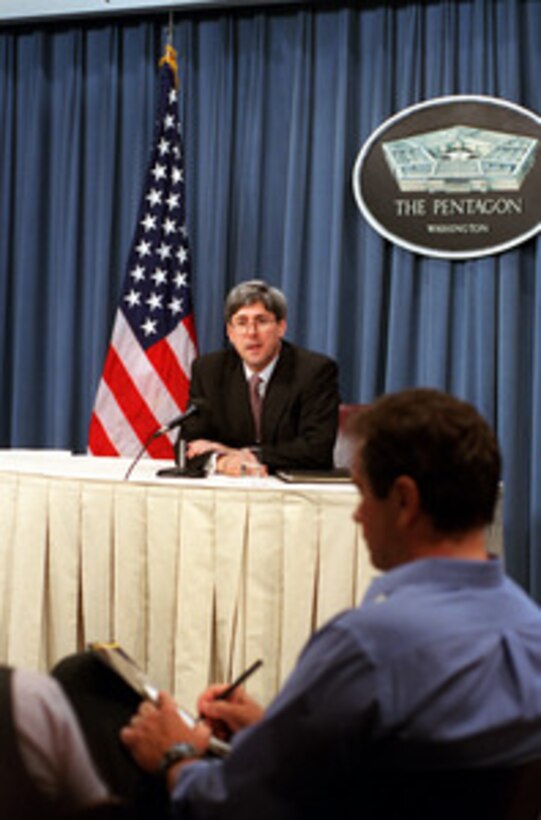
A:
461, 159
468, 187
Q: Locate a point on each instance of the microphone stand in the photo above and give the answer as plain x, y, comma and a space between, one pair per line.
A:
182, 468
180, 452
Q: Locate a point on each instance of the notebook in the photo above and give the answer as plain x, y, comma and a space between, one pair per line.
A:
340, 475
120, 662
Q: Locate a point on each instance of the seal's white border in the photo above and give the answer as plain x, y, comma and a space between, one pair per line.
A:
422, 249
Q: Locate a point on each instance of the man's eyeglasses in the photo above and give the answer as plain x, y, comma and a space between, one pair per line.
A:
243, 324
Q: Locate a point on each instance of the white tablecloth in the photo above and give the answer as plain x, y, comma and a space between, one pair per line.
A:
195, 578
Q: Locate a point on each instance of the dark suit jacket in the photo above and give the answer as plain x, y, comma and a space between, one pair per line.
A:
300, 408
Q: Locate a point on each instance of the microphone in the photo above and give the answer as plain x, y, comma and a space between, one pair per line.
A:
195, 407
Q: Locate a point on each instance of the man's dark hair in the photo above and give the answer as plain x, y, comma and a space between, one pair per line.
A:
255, 290
443, 444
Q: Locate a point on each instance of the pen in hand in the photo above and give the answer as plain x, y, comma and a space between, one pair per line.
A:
228, 691
244, 712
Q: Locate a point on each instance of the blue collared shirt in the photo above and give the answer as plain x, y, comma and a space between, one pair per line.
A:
440, 666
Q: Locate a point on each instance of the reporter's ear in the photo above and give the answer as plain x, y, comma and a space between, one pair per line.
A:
406, 500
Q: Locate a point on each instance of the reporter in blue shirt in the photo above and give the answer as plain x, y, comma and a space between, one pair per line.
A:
438, 668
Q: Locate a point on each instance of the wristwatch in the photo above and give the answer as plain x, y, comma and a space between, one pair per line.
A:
179, 751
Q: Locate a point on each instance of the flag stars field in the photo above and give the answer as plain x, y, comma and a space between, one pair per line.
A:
159, 172
175, 306
154, 197
173, 201
149, 223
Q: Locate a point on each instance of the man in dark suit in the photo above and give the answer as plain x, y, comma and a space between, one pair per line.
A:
287, 420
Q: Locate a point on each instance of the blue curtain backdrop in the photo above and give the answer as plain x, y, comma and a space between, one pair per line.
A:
275, 105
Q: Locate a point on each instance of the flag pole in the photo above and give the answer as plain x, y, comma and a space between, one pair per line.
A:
170, 58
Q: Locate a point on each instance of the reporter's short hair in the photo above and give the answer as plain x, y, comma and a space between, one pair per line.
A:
252, 291
443, 444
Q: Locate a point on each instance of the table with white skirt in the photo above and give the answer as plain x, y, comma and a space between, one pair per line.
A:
194, 578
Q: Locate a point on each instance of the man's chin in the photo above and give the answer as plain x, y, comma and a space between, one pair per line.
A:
255, 361
381, 562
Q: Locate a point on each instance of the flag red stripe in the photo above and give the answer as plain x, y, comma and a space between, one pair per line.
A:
171, 373
99, 441
161, 448
133, 405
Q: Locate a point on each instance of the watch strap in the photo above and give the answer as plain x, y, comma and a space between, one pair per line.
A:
179, 751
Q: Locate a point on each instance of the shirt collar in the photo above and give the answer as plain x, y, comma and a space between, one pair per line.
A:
264, 374
446, 572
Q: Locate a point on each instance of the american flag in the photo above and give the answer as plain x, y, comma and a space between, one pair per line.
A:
146, 375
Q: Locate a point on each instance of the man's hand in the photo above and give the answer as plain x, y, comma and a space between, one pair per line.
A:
201, 446
155, 728
233, 714
239, 463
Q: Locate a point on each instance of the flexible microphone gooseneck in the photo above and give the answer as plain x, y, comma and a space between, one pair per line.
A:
195, 407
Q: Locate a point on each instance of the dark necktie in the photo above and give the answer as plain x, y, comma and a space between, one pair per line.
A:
256, 402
